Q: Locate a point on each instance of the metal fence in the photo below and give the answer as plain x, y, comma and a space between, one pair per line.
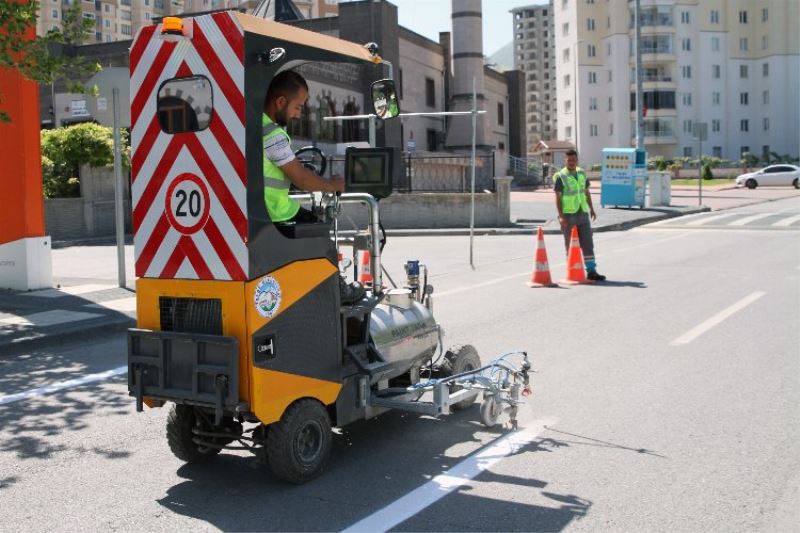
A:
436, 173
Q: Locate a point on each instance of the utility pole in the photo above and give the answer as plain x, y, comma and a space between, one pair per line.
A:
638, 48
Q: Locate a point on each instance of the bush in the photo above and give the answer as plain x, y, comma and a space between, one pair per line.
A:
65, 149
707, 175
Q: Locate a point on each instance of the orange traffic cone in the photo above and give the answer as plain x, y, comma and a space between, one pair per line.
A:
364, 268
575, 272
540, 277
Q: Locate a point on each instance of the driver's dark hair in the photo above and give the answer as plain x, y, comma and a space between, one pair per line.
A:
287, 83
571, 151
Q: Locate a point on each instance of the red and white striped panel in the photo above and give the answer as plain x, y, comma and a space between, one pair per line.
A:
202, 175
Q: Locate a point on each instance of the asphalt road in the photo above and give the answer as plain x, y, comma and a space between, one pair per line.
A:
666, 399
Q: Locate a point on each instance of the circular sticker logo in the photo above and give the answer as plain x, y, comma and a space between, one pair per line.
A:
267, 297
187, 203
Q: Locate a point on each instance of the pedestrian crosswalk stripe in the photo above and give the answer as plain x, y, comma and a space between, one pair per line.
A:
123, 305
787, 222
705, 220
47, 318
747, 220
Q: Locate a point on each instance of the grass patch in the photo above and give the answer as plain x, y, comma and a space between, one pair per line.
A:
690, 181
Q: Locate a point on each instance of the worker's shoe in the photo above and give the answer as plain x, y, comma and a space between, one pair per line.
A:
351, 293
593, 275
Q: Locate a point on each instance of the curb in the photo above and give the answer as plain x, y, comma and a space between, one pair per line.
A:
39, 340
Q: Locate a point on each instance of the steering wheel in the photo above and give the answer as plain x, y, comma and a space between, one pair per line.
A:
313, 159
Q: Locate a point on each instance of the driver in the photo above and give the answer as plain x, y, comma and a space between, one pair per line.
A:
285, 99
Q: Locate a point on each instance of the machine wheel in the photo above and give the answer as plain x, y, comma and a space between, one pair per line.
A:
299, 445
751, 183
460, 359
490, 411
180, 422
796, 183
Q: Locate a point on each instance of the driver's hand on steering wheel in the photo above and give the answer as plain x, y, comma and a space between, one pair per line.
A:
336, 183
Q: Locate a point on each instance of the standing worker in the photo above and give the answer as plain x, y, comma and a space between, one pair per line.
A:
574, 204
285, 100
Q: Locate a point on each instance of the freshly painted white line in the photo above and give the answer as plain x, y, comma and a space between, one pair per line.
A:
123, 305
55, 387
47, 318
787, 221
698, 330
74, 290
706, 220
747, 220
445, 483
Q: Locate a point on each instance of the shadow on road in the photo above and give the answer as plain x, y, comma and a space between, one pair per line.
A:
373, 463
615, 283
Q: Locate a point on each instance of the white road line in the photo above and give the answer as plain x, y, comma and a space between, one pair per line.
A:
698, 330
443, 484
47, 318
75, 290
55, 387
706, 220
747, 220
786, 221
123, 305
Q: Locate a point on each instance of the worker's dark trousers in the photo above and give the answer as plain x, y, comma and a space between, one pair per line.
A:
584, 225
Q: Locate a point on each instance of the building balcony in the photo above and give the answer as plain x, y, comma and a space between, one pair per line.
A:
660, 138
657, 113
650, 55
655, 85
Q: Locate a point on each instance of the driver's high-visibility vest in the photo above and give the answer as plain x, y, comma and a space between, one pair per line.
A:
573, 195
276, 185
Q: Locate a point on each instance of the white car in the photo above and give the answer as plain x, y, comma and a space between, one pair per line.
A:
770, 176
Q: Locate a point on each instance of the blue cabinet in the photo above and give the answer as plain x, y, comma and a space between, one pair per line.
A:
623, 177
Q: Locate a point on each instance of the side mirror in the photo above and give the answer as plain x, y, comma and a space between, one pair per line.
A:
384, 99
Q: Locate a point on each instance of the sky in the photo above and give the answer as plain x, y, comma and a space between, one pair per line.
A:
429, 17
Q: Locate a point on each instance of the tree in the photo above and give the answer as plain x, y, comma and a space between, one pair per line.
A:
43, 59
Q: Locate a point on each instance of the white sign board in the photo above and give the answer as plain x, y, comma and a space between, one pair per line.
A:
101, 107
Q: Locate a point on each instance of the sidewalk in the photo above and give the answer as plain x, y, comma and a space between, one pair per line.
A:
90, 304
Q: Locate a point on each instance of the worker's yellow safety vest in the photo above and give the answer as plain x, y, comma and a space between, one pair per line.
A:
276, 185
573, 195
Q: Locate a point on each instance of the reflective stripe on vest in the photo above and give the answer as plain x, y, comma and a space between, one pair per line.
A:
573, 194
276, 185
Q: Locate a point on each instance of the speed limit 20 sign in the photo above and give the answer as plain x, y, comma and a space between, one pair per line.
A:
187, 203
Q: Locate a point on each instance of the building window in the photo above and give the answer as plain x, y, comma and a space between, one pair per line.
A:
430, 92
766, 124
591, 50
611, 128
764, 42
400, 84
610, 76
125, 29
590, 24
715, 44
715, 125
687, 99
765, 69
610, 103
744, 98
764, 14
765, 97
743, 44
500, 114
715, 97
687, 151
742, 17
687, 126
686, 45
743, 71
568, 132
592, 77
686, 71
565, 28
566, 80
744, 125
430, 137
608, 49
565, 53
592, 130
685, 17
716, 151
567, 106
501, 146
716, 71
714, 16
592, 104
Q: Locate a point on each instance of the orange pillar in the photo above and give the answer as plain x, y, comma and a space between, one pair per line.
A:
24, 249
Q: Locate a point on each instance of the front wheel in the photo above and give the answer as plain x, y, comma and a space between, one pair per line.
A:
796, 183
299, 445
751, 183
457, 360
490, 411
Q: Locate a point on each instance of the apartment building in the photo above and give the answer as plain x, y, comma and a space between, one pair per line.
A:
733, 65
534, 54
117, 20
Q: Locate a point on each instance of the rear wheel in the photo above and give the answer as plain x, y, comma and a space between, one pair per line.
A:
796, 183
490, 411
299, 445
751, 183
460, 359
180, 422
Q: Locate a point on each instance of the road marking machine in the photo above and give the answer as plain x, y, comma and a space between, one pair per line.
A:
246, 326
